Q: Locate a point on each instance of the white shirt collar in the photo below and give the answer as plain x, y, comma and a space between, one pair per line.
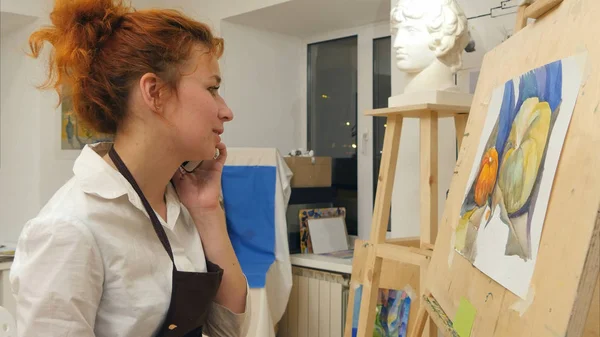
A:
98, 178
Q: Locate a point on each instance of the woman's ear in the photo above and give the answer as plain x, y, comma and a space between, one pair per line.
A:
150, 87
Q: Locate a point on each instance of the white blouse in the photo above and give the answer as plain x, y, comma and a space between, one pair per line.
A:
90, 263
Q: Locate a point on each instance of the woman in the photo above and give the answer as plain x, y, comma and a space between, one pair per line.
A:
133, 245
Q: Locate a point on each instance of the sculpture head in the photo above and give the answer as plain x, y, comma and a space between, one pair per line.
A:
426, 30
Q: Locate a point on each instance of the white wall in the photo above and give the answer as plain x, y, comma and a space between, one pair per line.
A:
224, 9
20, 135
38, 8
32, 166
262, 86
212, 12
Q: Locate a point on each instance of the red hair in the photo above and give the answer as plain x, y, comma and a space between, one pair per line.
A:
102, 47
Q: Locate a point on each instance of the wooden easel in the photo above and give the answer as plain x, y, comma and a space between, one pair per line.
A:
566, 301
395, 263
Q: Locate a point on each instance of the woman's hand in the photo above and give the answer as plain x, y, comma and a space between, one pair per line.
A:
200, 190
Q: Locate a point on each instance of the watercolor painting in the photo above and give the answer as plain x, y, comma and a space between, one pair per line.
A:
506, 198
393, 308
75, 135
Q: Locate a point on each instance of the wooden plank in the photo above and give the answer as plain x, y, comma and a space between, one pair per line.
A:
407, 242
415, 111
422, 318
414, 256
370, 292
428, 246
350, 306
428, 178
587, 283
381, 213
592, 327
460, 124
540, 7
574, 199
521, 19
387, 173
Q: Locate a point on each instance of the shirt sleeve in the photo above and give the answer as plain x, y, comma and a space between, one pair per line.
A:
222, 322
56, 278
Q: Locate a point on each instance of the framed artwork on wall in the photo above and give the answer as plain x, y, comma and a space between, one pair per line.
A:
74, 135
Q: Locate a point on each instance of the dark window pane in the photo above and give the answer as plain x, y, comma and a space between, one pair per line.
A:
382, 90
332, 112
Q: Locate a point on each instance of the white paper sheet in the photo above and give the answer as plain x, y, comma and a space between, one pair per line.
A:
514, 272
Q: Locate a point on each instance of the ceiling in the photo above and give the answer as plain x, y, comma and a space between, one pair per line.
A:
305, 18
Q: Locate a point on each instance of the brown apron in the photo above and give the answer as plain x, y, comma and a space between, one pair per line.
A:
192, 293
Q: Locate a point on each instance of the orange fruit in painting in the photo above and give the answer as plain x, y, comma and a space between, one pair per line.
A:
488, 171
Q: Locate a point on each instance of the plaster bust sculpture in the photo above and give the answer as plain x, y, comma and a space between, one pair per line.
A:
430, 36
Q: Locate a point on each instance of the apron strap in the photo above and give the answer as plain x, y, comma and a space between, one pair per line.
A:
158, 228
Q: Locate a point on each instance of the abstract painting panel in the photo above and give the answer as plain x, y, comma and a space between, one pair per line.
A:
75, 135
393, 309
507, 195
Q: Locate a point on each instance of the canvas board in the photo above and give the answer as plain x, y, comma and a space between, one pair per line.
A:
505, 202
328, 235
315, 213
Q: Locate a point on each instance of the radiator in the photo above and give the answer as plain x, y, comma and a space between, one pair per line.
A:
317, 305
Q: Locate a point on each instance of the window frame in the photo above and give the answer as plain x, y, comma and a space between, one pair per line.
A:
364, 101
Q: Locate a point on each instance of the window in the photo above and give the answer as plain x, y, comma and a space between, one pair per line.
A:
382, 90
332, 117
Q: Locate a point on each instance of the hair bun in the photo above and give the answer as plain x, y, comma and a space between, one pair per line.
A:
88, 23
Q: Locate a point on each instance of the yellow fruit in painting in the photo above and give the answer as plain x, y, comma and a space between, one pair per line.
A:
524, 151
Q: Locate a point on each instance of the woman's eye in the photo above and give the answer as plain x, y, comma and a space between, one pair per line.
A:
214, 90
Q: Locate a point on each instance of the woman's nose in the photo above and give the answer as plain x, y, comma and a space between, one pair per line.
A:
224, 112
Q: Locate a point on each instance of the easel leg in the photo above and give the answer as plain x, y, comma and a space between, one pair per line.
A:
387, 174
429, 177
429, 190
422, 317
349, 311
460, 124
370, 292
521, 19
381, 212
